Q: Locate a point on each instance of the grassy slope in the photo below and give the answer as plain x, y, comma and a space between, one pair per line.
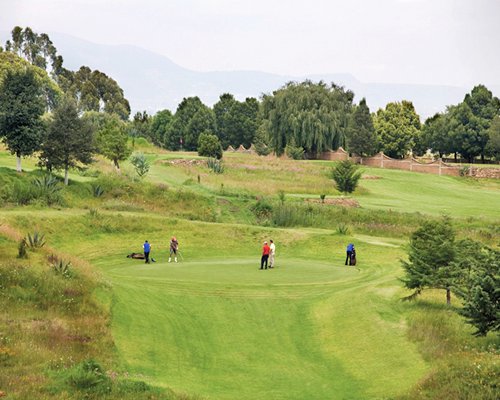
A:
216, 326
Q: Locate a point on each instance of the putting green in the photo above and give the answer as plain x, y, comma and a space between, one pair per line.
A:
224, 329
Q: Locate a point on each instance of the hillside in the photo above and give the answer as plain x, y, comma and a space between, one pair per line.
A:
153, 82
213, 325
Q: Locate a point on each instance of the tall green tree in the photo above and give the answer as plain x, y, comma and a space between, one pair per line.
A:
21, 107
179, 130
69, 140
236, 122
159, 126
202, 121
436, 135
141, 126
397, 126
431, 253
316, 115
493, 145
221, 111
112, 140
361, 138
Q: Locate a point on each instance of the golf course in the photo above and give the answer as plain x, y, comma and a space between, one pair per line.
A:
215, 326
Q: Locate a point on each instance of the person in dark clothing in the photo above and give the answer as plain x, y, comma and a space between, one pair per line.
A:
350, 252
147, 248
265, 255
174, 246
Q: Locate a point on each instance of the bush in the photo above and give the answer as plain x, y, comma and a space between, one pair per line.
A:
215, 165
209, 146
342, 229
262, 209
140, 163
36, 241
97, 190
22, 253
292, 151
464, 171
346, 176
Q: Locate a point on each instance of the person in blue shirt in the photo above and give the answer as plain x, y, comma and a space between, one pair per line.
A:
147, 248
351, 252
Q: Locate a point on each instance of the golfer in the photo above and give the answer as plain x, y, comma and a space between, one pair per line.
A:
174, 246
272, 253
147, 248
265, 255
349, 253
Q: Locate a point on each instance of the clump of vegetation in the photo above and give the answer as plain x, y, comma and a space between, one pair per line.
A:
209, 146
59, 266
282, 196
322, 197
215, 165
464, 171
97, 190
36, 241
342, 229
140, 163
346, 175
293, 151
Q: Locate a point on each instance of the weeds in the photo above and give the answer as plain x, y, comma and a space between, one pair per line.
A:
22, 253
342, 229
97, 190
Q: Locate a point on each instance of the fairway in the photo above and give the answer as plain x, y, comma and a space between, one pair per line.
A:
225, 329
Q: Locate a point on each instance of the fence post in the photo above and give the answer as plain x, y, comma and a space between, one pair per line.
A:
440, 165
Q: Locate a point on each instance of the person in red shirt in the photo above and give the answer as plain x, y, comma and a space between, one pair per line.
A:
265, 255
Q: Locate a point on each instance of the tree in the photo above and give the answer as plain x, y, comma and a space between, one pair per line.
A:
159, 126
430, 255
397, 126
361, 138
209, 145
346, 176
69, 139
179, 128
203, 120
479, 285
140, 126
236, 122
21, 106
314, 114
436, 136
112, 141
493, 145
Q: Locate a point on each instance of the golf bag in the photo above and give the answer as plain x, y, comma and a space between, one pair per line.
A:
353, 258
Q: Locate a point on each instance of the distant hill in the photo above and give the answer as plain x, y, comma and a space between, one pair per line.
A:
152, 82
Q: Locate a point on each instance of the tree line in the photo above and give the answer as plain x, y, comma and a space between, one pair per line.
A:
44, 106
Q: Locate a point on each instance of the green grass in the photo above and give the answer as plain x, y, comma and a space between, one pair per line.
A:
215, 326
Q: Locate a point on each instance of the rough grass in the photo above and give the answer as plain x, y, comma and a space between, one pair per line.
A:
213, 325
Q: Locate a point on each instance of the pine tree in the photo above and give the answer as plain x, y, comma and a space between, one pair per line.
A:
346, 176
431, 253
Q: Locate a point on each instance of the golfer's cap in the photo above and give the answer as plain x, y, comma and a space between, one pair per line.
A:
265, 242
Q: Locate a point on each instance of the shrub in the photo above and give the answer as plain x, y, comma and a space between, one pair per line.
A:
140, 163
262, 209
60, 267
209, 146
292, 151
215, 165
322, 197
36, 241
47, 188
346, 176
281, 196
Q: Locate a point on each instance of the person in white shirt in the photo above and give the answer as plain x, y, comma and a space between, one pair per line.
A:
272, 254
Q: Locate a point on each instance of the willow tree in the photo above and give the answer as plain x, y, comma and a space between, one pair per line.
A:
315, 115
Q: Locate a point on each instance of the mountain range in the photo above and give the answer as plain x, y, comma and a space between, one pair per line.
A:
153, 82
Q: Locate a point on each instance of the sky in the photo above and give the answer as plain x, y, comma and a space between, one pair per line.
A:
445, 42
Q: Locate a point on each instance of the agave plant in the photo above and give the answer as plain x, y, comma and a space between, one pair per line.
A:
97, 190
36, 241
215, 165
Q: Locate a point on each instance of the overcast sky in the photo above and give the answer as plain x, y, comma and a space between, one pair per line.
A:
454, 42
